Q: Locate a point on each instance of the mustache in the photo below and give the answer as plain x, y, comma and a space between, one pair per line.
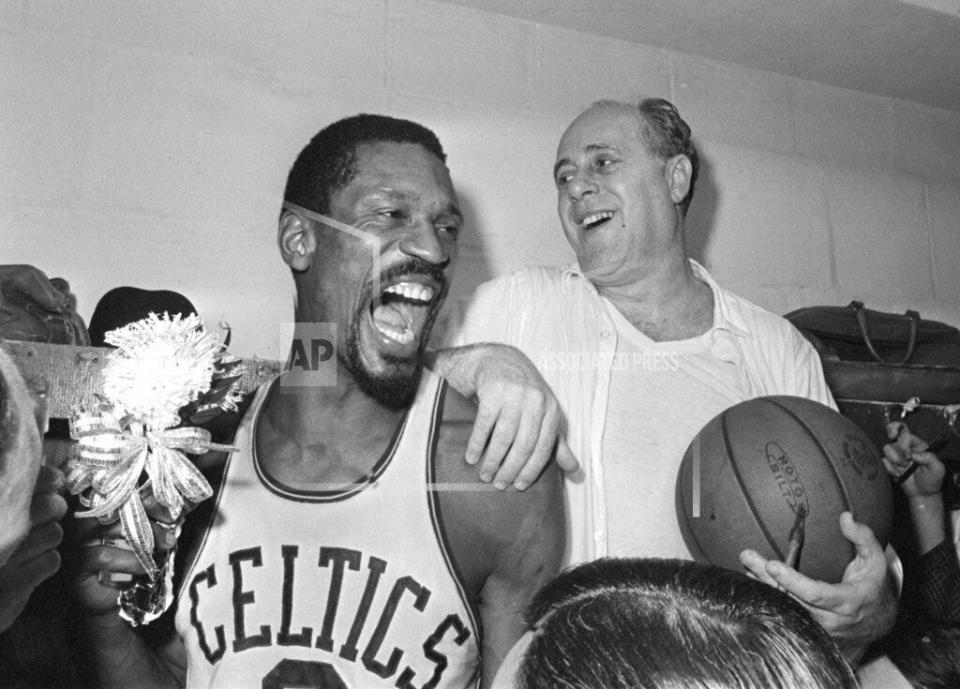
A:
415, 266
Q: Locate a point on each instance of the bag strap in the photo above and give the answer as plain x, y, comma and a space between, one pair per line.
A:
912, 316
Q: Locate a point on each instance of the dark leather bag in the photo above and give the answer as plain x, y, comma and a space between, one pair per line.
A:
36, 308
877, 356
856, 333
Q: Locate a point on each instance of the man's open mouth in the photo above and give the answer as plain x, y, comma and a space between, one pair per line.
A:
403, 310
593, 220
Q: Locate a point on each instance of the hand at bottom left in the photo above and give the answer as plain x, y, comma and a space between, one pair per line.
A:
35, 558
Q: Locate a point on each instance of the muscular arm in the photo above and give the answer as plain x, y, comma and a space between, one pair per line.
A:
521, 567
507, 544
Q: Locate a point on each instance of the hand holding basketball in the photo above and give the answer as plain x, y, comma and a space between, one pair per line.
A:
763, 467
766, 464
857, 610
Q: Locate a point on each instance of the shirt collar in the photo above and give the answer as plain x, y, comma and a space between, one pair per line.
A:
572, 274
724, 317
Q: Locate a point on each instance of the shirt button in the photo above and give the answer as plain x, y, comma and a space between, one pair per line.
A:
605, 334
723, 348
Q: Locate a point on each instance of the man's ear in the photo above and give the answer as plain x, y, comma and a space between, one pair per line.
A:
677, 172
296, 240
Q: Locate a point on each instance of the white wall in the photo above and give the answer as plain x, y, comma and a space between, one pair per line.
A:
148, 143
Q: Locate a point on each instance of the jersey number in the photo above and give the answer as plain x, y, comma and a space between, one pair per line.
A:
302, 674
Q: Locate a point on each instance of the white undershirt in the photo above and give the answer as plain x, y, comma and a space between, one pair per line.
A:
661, 395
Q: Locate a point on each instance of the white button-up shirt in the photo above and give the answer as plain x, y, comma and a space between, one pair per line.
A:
559, 320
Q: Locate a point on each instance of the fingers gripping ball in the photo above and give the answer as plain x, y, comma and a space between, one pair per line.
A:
751, 469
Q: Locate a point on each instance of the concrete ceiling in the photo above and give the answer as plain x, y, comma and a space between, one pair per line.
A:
907, 49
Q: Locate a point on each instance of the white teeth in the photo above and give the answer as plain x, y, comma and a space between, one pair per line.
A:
594, 218
412, 291
402, 336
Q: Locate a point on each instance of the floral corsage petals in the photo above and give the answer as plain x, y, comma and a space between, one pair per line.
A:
130, 441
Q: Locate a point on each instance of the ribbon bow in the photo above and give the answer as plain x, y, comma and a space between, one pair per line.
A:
112, 454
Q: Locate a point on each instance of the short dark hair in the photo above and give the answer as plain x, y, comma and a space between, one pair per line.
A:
634, 623
668, 135
328, 162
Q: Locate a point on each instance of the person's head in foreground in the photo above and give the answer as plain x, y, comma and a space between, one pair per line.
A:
671, 624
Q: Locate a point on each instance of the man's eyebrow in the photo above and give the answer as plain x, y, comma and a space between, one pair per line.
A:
560, 163
454, 210
395, 195
398, 195
589, 148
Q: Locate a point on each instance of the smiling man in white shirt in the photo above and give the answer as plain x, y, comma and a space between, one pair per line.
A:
642, 348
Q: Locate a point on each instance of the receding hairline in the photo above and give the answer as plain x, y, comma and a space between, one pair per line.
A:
647, 134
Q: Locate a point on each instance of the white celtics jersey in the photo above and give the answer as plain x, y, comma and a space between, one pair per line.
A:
343, 589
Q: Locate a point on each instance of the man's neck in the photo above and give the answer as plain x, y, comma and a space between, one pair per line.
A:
323, 434
665, 300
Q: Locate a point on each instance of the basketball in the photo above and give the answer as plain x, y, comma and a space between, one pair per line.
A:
756, 466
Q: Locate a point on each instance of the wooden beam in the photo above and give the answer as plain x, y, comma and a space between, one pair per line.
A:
69, 373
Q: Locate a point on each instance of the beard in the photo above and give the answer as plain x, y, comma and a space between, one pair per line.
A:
397, 387
395, 390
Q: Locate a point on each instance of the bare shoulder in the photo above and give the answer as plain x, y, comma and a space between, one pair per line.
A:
460, 477
519, 535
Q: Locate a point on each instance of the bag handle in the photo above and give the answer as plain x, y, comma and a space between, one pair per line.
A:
912, 316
